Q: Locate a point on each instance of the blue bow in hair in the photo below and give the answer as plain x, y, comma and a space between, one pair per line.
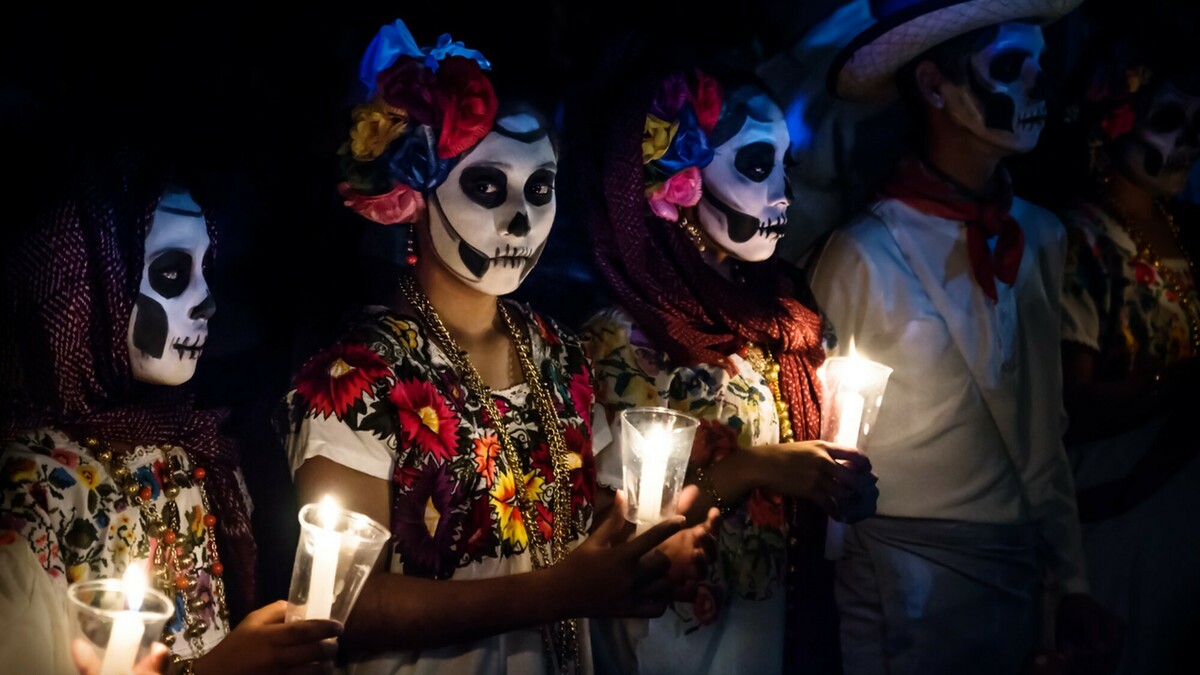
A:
395, 40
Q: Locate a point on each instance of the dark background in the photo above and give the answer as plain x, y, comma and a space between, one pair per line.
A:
259, 101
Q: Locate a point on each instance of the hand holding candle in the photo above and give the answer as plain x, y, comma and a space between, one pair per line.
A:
656, 444
336, 552
116, 621
853, 393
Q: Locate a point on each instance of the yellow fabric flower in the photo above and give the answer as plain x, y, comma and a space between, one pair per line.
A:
657, 138
88, 476
374, 128
77, 572
20, 470
403, 331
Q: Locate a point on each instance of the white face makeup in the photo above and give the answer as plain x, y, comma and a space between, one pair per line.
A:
1165, 143
744, 205
1003, 100
169, 323
490, 219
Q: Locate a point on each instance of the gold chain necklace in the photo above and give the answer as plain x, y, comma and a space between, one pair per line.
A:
174, 573
561, 640
1173, 280
761, 360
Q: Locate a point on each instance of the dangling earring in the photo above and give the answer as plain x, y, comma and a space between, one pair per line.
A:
693, 233
411, 258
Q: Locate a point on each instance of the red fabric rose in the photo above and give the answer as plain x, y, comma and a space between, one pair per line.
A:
706, 97
401, 205
467, 103
409, 85
1119, 122
714, 441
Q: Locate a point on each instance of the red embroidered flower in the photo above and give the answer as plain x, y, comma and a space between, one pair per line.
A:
409, 85
706, 97
479, 538
1119, 122
38, 492
333, 381
714, 441
424, 523
580, 390
765, 510
547, 334
583, 467
707, 607
1144, 273
467, 103
426, 421
400, 205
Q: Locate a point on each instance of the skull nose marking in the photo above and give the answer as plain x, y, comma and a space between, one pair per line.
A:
204, 310
519, 225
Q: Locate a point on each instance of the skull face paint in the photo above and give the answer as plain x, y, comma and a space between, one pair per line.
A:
1165, 143
169, 322
490, 220
1003, 100
744, 204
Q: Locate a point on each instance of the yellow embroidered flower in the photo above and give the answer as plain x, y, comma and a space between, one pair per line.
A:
504, 503
196, 521
657, 138
77, 573
88, 476
374, 128
20, 470
404, 331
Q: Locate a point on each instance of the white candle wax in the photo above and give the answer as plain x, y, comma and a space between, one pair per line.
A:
849, 405
654, 452
128, 627
327, 545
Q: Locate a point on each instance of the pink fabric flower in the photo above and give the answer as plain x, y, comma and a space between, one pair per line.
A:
682, 189
65, 457
400, 205
706, 98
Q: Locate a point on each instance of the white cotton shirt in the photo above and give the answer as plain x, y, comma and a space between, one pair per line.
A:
972, 420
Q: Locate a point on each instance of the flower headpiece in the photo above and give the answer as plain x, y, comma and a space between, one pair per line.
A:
425, 107
1114, 90
675, 141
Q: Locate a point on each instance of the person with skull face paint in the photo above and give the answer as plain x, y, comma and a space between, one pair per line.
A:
106, 461
461, 420
693, 206
1131, 326
955, 284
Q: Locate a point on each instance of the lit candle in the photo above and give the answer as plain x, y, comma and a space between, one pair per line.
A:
655, 451
327, 543
128, 627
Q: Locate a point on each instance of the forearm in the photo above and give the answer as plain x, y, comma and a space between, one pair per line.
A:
397, 612
731, 478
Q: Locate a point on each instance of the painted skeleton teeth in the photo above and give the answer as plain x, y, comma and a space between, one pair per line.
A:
773, 228
185, 346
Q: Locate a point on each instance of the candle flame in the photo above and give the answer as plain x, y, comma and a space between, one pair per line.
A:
852, 352
327, 512
134, 584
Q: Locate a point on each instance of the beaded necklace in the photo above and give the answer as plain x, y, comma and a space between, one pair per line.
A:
1175, 281
175, 567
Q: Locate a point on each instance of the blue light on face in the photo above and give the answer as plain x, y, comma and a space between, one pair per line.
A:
801, 134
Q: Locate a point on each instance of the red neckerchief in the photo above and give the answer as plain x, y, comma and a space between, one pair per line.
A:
925, 189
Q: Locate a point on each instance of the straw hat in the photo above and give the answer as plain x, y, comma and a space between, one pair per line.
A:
905, 29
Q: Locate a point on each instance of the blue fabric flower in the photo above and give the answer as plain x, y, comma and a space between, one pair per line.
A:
145, 476
414, 160
389, 44
395, 40
61, 479
102, 519
689, 148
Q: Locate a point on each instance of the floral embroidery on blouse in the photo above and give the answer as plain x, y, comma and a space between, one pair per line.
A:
61, 502
1125, 308
455, 500
737, 410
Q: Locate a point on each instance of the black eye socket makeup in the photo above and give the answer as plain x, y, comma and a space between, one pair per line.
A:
539, 189
1006, 66
487, 186
755, 161
170, 273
